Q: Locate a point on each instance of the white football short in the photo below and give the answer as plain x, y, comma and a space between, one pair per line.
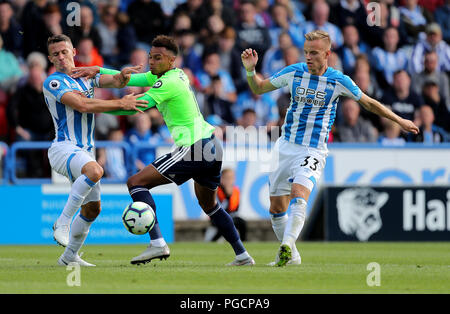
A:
294, 163
68, 159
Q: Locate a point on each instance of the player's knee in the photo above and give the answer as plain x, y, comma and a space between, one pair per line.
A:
133, 181
94, 172
207, 206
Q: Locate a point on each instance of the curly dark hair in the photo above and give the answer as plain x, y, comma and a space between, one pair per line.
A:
166, 42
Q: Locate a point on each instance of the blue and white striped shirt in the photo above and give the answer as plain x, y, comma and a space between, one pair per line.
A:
70, 124
389, 62
314, 99
442, 50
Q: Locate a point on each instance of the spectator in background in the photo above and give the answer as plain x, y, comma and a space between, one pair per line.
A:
294, 11
33, 27
431, 72
415, 18
142, 133
216, 102
212, 68
29, 117
281, 23
211, 32
442, 17
87, 55
10, 30
86, 29
391, 134
401, 98
112, 158
228, 196
264, 106
197, 10
10, 71
352, 127
263, 17
147, 19
52, 21
249, 34
27, 110
190, 51
320, 14
230, 58
429, 132
224, 11
386, 61
348, 12
351, 48
369, 87
273, 59
434, 99
388, 16
434, 42
118, 39
181, 21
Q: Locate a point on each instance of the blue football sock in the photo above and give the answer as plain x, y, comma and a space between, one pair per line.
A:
142, 194
222, 220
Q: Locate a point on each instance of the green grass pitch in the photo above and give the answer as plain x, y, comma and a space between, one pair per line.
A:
198, 268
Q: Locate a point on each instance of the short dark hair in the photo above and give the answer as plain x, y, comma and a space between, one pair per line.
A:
167, 42
58, 38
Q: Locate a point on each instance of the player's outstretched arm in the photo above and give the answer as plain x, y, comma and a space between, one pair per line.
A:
92, 105
257, 84
151, 103
109, 78
376, 107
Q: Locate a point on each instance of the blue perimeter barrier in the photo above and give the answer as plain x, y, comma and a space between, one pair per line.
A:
9, 162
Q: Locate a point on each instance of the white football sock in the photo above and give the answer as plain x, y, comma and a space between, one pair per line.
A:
78, 233
80, 189
279, 224
158, 242
295, 221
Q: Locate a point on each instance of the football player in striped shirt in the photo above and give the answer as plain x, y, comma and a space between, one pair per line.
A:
302, 148
72, 107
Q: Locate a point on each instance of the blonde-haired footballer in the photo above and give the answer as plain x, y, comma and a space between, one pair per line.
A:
302, 148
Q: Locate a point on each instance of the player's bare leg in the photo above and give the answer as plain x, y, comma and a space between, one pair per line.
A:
299, 197
207, 199
139, 186
279, 217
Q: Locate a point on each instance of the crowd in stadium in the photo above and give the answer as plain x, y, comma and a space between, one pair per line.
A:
399, 54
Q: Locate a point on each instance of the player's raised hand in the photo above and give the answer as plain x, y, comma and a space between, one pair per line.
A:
88, 72
131, 102
249, 59
124, 76
409, 126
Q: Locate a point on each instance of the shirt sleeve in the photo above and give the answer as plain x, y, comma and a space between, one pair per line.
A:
280, 79
57, 87
349, 88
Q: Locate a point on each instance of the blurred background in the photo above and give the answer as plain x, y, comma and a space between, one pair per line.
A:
379, 183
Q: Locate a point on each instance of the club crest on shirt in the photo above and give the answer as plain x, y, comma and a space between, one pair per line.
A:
54, 84
158, 84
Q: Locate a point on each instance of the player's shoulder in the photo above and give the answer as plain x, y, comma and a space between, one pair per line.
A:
56, 81
170, 78
296, 68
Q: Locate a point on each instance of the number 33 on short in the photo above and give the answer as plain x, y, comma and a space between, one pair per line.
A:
310, 162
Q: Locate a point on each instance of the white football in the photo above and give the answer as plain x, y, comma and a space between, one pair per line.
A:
138, 218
